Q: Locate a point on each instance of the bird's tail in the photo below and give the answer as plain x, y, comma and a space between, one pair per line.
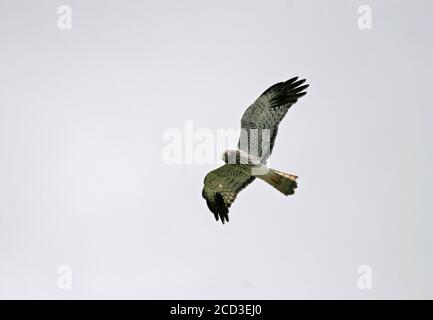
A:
284, 182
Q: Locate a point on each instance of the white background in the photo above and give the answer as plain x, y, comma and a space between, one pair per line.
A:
82, 182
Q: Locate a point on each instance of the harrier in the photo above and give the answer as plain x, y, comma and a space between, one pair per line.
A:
259, 127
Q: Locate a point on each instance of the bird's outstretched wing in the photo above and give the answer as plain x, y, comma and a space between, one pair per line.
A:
266, 113
222, 185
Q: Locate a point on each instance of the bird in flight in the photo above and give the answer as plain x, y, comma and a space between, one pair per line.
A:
259, 127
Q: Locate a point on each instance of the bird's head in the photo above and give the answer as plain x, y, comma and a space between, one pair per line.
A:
230, 156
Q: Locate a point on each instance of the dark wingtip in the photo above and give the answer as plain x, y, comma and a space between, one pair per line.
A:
289, 92
292, 80
294, 185
300, 89
222, 210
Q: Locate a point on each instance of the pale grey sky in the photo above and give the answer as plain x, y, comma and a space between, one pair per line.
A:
83, 111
